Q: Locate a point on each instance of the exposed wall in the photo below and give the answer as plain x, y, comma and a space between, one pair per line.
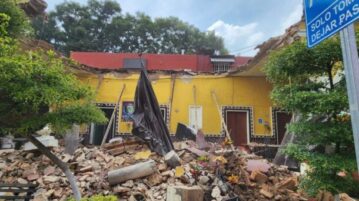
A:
250, 92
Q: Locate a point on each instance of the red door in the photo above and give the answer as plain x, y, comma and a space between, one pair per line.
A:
237, 123
283, 119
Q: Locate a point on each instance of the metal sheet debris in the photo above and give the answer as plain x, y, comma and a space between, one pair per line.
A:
148, 123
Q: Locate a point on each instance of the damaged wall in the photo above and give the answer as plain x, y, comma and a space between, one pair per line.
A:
236, 92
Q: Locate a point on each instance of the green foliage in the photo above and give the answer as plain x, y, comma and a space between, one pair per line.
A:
308, 98
323, 174
36, 89
18, 24
4, 24
303, 82
98, 198
100, 26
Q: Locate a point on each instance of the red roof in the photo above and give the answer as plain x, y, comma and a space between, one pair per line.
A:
242, 60
112, 61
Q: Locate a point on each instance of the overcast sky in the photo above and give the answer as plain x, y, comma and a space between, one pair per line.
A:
242, 23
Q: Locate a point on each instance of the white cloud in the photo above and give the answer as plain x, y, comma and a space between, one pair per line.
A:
238, 39
294, 17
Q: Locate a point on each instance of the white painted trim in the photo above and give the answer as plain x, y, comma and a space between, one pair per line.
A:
229, 60
201, 117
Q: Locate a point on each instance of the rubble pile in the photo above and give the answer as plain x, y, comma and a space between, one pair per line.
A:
216, 174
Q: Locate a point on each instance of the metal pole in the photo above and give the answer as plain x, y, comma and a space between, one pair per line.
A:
351, 68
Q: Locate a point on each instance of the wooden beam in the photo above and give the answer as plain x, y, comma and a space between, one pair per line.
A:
224, 125
112, 116
173, 80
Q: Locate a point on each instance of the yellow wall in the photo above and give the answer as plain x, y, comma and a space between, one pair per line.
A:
231, 91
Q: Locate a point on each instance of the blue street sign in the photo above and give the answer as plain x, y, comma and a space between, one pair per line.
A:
326, 17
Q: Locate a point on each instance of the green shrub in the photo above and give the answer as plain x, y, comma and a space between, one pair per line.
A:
303, 83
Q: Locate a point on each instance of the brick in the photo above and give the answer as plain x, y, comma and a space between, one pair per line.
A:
290, 183
258, 177
266, 193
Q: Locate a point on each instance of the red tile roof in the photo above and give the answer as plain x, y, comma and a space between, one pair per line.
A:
113, 61
242, 60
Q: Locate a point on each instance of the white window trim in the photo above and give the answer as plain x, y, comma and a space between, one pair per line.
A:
199, 123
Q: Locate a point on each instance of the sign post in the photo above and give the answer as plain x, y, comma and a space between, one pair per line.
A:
351, 68
324, 18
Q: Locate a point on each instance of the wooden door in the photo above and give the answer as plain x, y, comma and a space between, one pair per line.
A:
283, 118
237, 123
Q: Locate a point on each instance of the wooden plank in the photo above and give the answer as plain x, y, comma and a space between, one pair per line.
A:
20, 190
109, 146
113, 116
18, 185
173, 80
121, 150
224, 125
9, 197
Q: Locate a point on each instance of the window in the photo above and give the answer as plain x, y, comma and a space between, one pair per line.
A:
220, 67
97, 131
164, 111
195, 117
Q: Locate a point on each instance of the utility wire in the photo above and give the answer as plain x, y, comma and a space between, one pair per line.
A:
244, 48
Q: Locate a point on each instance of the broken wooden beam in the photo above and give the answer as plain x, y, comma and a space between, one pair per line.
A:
121, 150
114, 145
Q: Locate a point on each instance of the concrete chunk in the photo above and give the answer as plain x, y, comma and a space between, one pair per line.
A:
47, 140
184, 193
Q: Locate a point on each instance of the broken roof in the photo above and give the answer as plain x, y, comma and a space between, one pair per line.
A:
33, 7
157, 62
253, 67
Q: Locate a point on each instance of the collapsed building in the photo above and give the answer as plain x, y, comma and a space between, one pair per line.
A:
199, 91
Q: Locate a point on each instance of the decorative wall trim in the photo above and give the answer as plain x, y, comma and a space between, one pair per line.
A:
167, 120
166, 107
247, 109
117, 114
275, 111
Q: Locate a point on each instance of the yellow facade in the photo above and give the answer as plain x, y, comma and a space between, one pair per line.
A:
250, 92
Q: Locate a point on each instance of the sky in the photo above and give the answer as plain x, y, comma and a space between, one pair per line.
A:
243, 24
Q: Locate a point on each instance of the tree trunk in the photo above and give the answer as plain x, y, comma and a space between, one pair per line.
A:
63, 166
72, 139
330, 76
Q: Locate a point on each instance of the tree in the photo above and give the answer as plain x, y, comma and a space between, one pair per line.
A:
37, 89
100, 26
310, 83
18, 24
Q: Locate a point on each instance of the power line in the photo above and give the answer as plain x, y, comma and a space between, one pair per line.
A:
244, 48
